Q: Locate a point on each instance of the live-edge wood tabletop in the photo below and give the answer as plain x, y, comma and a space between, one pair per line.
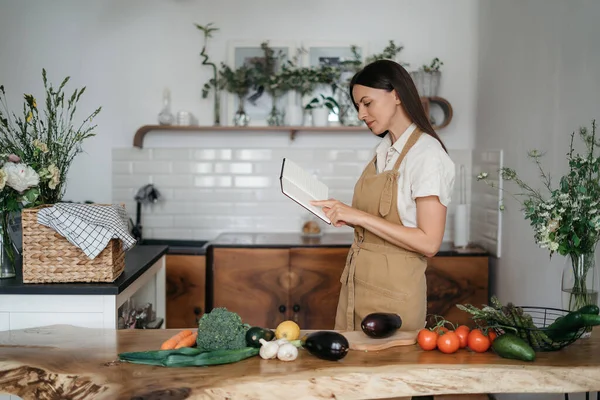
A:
82, 363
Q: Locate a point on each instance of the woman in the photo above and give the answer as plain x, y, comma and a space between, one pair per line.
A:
399, 205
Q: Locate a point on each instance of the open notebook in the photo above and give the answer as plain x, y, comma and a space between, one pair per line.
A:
301, 187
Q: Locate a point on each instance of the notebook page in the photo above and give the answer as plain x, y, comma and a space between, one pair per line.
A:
297, 184
295, 174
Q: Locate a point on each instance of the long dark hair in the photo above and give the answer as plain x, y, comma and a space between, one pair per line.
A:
389, 75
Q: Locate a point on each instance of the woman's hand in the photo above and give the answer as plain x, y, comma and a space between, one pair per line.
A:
339, 213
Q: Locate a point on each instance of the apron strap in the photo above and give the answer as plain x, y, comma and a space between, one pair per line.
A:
385, 202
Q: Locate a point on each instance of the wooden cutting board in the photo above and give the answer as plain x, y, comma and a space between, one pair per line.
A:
358, 340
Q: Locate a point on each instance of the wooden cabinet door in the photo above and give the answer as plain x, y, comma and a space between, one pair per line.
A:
456, 280
315, 285
186, 277
252, 282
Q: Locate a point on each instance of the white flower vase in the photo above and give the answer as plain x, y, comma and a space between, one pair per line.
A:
579, 283
320, 116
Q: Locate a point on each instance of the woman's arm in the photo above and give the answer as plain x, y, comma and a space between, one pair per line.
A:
426, 238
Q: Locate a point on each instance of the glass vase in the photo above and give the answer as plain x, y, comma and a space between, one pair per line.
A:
241, 118
7, 250
579, 283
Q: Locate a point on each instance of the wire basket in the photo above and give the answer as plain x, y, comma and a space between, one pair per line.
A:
539, 338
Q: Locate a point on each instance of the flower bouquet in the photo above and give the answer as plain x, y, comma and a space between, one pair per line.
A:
37, 148
566, 217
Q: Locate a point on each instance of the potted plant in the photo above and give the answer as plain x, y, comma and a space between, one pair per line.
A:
427, 78
321, 106
238, 82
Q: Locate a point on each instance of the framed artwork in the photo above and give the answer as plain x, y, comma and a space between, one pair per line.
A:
335, 54
257, 104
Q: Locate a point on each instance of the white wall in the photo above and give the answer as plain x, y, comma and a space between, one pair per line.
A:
126, 52
538, 82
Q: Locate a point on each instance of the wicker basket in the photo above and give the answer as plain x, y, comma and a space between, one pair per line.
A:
49, 257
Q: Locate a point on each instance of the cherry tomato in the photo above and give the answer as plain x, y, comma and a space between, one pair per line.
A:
427, 339
478, 341
492, 335
448, 342
440, 329
462, 332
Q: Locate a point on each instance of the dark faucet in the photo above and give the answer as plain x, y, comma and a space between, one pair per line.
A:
145, 195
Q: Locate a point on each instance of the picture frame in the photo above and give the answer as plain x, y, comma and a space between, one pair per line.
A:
332, 53
258, 109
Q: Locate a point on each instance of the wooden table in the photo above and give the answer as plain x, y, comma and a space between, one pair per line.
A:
81, 363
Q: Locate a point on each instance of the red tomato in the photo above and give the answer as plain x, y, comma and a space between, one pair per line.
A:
492, 335
462, 332
478, 341
440, 329
448, 342
427, 339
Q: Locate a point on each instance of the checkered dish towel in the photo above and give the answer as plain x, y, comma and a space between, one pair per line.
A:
87, 226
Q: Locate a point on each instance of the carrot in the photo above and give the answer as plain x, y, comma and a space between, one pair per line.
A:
172, 341
187, 341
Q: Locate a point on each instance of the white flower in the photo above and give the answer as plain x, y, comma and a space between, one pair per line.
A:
553, 246
2, 179
40, 145
54, 176
482, 175
20, 176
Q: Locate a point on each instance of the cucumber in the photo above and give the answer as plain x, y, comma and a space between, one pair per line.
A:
216, 357
254, 334
513, 347
560, 328
157, 355
589, 309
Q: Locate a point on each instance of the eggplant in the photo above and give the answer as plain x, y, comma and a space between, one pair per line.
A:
381, 325
327, 345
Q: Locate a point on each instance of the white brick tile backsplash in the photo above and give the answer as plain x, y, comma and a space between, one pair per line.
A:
234, 186
152, 167
130, 181
131, 154
252, 181
121, 167
253, 154
172, 154
233, 168
172, 181
186, 167
212, 154
213, 181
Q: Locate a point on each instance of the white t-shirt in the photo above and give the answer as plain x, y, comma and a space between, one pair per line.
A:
426, 170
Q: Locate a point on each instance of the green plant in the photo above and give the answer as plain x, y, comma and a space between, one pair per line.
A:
238, 81
434, 66
46, 141
389, 53
323, 101
213, 82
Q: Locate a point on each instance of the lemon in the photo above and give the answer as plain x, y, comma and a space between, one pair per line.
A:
287, 330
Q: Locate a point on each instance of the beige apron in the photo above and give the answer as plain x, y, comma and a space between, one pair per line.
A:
380, 276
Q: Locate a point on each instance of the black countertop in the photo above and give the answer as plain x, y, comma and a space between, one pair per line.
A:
137, 261
188, 247
284, 240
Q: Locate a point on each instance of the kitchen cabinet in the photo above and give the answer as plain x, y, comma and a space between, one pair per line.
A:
185, 286
267, 279
455, 280
266, 286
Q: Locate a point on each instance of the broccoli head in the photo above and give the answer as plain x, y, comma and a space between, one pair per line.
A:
221, 329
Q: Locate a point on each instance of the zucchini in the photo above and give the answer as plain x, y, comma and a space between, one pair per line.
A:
210, 358
254, 334
511, 346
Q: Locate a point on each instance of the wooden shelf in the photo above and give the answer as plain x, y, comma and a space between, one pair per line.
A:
138, 139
